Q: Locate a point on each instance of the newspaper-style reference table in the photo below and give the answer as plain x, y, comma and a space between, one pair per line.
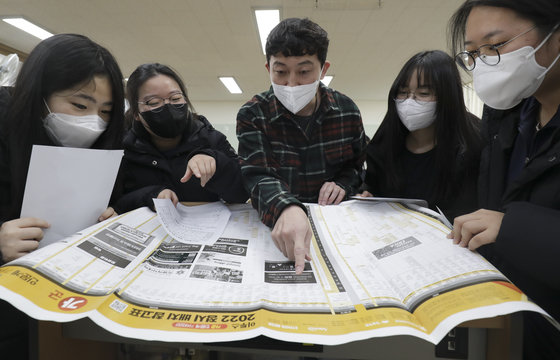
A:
377, 269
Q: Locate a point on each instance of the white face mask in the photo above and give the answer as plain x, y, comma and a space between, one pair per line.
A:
294, 98
416, 114
72, 130
516, 77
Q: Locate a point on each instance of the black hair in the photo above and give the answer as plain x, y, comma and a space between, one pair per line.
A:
58, 63
297, 37
142, 74
545, 14
455, 128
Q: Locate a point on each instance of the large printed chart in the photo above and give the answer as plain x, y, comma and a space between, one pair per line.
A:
377, 269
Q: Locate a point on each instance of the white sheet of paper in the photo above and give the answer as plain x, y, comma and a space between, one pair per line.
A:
68, 187
201, 224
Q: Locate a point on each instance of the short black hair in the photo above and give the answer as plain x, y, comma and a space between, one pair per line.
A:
297, 37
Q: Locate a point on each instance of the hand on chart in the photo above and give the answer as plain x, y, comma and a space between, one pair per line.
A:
169, 194
331, 193
108, 213
366, 194
202, 166
20, 236
292, 235
476, 229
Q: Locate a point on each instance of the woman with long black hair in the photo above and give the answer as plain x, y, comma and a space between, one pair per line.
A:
428, 144
68, 93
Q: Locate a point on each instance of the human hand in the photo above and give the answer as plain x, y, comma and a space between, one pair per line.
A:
20, 236
476, 229
169, 194
366, 194
331, 193
202, 166
108, 213
292, 235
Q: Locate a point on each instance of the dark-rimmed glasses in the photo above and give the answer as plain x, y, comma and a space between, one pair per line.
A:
488, 53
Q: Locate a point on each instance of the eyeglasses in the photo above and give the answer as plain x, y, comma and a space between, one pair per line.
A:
156, 103
422, 94
488, 53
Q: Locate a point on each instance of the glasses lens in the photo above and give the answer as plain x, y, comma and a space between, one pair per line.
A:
177, 99
424, 95
465, 60
154, 102
489, 54
178, 106
402, 95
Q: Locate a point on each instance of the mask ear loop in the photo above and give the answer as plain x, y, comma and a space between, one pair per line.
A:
541, 45
45, 101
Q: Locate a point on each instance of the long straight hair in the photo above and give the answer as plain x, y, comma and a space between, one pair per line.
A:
455, 129
58, 63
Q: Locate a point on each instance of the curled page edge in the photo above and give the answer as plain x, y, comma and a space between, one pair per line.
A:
415, 204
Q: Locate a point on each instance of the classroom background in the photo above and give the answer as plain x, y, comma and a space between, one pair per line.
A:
206, 39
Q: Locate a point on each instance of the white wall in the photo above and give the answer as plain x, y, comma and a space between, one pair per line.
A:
222, 115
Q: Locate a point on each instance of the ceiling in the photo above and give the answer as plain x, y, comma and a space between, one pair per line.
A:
202, 39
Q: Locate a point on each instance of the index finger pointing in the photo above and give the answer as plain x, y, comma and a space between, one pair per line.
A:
300, 255
187, 176
194, 168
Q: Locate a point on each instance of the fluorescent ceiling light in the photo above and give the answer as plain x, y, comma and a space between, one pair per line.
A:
266, 21
230, 84
327, 79
28, 27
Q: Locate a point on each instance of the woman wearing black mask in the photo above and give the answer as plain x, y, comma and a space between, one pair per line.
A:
170, 151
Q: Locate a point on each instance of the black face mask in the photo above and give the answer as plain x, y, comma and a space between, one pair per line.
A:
168, 122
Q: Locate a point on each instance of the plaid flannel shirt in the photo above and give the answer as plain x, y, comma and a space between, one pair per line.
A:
282, 166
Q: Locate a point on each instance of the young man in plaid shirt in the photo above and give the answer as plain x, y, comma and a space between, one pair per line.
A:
299, 141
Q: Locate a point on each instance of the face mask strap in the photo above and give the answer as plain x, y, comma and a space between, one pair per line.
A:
550, 67
45, 101
544, 41
555, 59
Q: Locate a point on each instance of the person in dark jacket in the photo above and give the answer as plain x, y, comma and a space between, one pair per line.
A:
68, 93
512, 47
428, 146
170, 151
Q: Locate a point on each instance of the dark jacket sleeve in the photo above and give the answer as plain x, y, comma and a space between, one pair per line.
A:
5, 174
227, 182
138, 198
528, 240
127, 196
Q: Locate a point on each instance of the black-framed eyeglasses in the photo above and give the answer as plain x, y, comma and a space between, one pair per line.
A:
487, 53
178, 100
